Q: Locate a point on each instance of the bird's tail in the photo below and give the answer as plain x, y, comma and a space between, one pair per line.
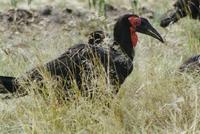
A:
7, 84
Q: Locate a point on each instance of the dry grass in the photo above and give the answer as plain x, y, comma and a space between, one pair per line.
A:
154, 99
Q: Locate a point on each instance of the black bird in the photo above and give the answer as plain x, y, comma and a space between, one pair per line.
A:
181, 9
78, 62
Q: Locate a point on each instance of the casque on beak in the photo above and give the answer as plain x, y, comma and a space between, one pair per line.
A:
146, 28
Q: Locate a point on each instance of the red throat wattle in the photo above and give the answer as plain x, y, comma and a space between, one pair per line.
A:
134, 21
134, 37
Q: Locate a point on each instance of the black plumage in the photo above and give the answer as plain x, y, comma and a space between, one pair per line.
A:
181, 9
79, 63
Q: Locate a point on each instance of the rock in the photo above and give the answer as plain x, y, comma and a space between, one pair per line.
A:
190, 65
47, 10
144, 11
109, 8
67, 10
18, 15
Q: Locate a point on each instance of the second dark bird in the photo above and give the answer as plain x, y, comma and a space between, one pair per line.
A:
181, 9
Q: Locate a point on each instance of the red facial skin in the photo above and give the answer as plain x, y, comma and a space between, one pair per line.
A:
135, 21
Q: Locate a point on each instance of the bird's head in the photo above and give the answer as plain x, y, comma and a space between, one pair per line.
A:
125, 31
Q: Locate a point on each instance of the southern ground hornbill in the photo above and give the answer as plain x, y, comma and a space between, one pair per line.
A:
78, 62
181, 9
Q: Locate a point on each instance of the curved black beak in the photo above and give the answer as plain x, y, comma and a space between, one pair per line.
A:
147, 28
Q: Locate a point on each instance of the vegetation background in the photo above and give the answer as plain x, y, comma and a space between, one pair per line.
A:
155, 98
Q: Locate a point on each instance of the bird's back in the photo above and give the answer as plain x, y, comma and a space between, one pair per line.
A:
85, 62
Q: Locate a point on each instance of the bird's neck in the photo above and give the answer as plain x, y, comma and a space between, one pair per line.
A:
129, 51
126, 38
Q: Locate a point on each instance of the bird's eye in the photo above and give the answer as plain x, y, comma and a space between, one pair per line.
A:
134, 21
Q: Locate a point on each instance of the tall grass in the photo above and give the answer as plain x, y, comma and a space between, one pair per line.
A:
155, 98
134, 4
15, 2
99, 5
